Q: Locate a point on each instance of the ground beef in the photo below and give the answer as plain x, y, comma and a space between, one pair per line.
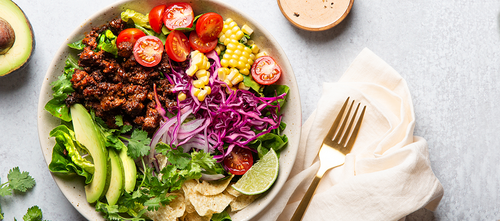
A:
114, 86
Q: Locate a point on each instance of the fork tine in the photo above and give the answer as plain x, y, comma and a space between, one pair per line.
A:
344, 140
355, 131
341, 132
333, 128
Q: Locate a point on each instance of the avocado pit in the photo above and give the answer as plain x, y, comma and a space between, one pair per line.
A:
7, 36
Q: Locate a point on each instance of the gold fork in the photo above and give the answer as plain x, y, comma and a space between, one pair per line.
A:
337, 143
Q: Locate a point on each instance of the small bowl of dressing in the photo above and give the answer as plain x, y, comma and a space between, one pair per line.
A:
315, 15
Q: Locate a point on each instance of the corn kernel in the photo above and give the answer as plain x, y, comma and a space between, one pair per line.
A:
204, 80
242, 86
239, 34
228, 82
201, 73
241, 65
235, 28
196, 91
233, 63
201, 96
255, 48
181, 96
198, 83
224, 62
191, 70
245, 71
237, 79
245, 28
208, 89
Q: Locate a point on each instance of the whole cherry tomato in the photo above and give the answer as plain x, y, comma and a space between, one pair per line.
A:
209, 26
148, 51
265, 70
177, 46
200, 45
129, 35
239, 161
156, 17
178, 15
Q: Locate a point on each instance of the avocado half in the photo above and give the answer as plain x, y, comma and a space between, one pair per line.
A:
14, 56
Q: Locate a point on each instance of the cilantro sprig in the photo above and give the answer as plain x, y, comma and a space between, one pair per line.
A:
153, 189
18, 181
21, 182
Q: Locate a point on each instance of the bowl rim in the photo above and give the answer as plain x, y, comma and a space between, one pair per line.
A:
46, 92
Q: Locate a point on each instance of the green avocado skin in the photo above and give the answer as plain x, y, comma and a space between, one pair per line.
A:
24, 44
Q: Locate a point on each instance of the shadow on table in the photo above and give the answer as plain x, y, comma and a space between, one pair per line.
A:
327, 35
421, 215
16, 80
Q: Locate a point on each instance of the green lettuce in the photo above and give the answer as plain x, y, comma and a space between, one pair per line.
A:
67, 154
107, 42
62, 87
138, 18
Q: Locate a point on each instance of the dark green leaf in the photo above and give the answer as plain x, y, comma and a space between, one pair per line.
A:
77, 45
34, 214
138, 144
20, 181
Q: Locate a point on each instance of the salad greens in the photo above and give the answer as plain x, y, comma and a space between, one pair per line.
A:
62, 87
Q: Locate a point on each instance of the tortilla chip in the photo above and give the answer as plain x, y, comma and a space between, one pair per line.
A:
162, 161
195, 217
189, 206
242, 201
209, 188
232, 191
206, 205
170, 212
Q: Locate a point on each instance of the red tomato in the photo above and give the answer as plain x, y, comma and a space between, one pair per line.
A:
148, 51
209, 26
202, 46
130, 34
178, 15
177, 46
239, 161
265, 70
156, 17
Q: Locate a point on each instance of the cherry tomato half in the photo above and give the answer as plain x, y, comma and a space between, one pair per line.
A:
148, 51
209, 26
129, 35
265, 70
156, 17
177, 46
200, 45
239, 161
178, 15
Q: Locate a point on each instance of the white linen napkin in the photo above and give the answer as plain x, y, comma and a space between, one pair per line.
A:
386, 176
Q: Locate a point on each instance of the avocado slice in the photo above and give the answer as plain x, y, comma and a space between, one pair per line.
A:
117, 182
13, 57
87, 133
129, 168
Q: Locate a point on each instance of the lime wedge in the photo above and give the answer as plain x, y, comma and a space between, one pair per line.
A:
260, 177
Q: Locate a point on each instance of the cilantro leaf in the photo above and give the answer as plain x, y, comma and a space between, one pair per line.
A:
62, 88
34, 214
20, 181
138, 144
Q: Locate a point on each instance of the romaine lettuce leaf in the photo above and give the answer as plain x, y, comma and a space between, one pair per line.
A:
66, 157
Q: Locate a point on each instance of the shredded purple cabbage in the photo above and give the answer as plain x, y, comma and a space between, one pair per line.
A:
220, 122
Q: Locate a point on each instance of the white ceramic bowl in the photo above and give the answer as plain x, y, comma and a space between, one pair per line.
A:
72, 187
